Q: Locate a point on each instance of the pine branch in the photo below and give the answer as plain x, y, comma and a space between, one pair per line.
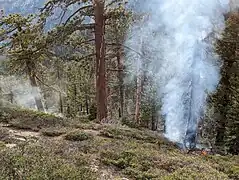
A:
82, 58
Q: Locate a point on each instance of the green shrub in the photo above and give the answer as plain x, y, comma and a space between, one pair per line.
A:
226, 164
129, 122
78, 135
54, 131
129, 133
234, 172
139, 175
132, 163
83, 119
30, 119
37, 162
193, 171
93, 112
90, 125
3, 133
2, 145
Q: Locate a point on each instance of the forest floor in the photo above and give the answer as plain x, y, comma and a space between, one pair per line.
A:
36, 146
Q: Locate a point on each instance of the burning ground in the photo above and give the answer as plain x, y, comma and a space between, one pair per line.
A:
41, 146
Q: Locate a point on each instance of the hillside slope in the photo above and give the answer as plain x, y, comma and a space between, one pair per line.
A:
40, 146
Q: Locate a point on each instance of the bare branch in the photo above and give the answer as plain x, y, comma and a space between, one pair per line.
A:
63, 15
129, 48
115, 69
8, 32
77, 11
48, 85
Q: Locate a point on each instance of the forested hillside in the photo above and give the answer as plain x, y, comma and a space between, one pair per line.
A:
70, 61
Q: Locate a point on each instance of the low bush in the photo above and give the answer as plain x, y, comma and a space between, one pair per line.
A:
146, 161
227, 164
2, 145
130, 133
130, 122
196, 171
3, 133
35, 162
30, 119
78, 135
54, 131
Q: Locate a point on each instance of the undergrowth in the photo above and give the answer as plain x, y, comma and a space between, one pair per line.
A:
38, 162
127, 152
78, 135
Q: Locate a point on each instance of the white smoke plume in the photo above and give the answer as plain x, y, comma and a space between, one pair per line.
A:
234, 5
18, 90
176, 37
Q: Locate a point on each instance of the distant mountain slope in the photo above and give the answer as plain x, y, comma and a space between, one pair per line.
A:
21, 6
25, 7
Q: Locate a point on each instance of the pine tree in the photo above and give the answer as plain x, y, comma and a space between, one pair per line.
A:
227, 97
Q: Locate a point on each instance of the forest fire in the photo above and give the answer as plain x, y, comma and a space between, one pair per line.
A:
187, 69
190, 140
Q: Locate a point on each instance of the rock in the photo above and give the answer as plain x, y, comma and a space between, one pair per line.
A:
11, 145
20, 138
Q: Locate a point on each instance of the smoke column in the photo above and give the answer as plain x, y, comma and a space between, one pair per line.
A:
177, 36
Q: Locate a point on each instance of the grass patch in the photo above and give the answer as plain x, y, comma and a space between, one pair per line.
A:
78, 135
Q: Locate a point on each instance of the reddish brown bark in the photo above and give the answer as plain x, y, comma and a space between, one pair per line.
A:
101, 97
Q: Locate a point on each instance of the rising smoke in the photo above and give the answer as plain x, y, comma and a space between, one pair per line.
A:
19, 91
176, 37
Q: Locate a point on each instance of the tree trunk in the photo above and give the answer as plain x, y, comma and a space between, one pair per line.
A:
60, 103
138, 98
86, 104
121, 83
68, 108
60, 95
154, 119
76, 108
139, 91
100, 60
11, 97
45, 104
35, 91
